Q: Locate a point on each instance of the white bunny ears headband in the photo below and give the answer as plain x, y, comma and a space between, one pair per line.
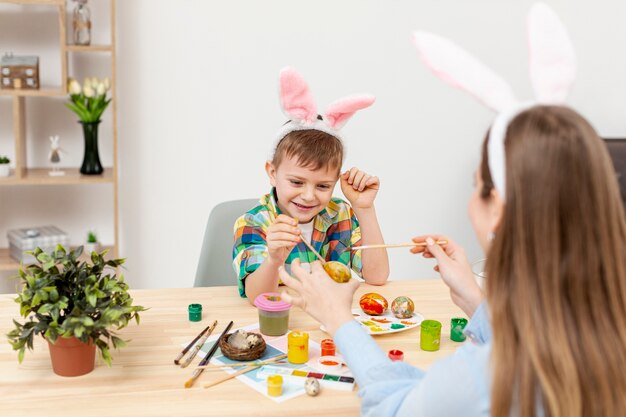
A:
552, 71
297, 103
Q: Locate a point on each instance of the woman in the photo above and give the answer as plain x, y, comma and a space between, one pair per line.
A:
556, 290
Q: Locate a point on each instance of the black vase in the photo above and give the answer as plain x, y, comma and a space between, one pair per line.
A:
91, 160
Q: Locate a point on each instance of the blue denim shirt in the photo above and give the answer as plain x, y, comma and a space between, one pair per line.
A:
458, 385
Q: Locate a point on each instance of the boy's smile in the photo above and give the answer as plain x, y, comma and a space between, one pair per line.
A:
302, 192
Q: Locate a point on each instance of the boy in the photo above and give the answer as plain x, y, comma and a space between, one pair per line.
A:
303, 172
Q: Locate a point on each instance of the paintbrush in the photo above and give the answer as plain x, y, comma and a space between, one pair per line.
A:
207, 358
242, 371
395, 245
199, 345
181, 354
251, 363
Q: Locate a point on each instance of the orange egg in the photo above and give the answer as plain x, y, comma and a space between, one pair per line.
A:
373, 304
337, 271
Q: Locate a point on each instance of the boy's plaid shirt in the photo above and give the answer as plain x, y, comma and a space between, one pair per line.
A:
334, 228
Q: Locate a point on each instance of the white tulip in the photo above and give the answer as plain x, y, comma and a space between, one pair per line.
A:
94, 82
74, 87
87, 82
107, 83
88, 91
101, 89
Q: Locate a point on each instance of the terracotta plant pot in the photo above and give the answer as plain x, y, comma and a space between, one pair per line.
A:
71, 357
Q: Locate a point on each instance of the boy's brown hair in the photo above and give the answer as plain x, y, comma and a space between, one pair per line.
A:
312, 148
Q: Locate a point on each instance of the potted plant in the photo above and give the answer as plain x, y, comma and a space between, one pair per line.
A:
4, 166
89, 101
75, 305
92, 244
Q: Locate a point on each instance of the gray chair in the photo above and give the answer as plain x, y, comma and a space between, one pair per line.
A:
617, 150
215, 262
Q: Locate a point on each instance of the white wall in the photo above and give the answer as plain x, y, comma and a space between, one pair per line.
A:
198, 108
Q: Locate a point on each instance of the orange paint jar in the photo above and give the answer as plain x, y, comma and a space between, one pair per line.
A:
328, 347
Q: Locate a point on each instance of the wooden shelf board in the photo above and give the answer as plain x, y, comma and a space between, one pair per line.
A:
42, 92
39, 176
88, 48
9, 264
44, 2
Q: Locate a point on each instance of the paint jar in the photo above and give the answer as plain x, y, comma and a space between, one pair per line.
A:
273, 314
298, 347
396, 355
457, 325
328, 347
195, 312
274, 385
430, 335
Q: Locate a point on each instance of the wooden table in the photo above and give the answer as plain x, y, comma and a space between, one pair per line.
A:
144, 381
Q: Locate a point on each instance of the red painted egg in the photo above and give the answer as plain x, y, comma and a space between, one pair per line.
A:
373, 304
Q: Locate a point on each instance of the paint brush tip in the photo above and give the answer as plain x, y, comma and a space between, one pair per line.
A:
189, 383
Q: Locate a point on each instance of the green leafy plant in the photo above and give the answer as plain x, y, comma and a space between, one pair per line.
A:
4, 159
92, 237
88, 101
63, 296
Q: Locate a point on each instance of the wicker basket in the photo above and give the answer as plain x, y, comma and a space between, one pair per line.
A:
242, 354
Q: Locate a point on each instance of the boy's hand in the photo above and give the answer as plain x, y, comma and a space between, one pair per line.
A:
359, 188
281, 237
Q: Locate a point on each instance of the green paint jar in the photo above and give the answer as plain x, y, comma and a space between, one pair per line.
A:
273, 314
195, 312
457, 325
430, 335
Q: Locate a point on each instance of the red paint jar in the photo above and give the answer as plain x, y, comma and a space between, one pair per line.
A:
328, 347
396, 355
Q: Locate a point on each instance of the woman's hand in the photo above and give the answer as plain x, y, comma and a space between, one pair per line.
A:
319, 295
281, 238
454, 269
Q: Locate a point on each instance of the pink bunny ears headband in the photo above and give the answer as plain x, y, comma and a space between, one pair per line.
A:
552, 71
297, 103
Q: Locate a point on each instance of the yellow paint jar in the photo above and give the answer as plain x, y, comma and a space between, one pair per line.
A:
274, 385
298, 347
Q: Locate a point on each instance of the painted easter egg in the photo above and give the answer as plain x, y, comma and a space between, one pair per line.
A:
312, 386
373, 304
337, 271
402, 307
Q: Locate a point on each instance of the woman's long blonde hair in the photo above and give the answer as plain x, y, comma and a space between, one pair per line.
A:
556, 270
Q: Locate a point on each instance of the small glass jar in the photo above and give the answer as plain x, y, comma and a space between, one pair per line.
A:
81, 23
273, 314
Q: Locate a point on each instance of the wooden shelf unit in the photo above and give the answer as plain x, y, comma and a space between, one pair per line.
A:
22, 174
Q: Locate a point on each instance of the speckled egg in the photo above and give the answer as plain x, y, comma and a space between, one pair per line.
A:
312, 386
373, 304
402, 307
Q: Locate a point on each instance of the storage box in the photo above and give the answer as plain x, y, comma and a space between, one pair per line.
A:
45, 237
19, 72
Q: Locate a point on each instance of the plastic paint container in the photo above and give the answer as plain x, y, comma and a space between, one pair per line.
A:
396, 355
274, 385
329, 364
273, 314
298, 347
328, 347
430, 335
195, 312
457, 324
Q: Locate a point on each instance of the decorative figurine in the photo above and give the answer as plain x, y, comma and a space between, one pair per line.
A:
55, 157
81, 23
